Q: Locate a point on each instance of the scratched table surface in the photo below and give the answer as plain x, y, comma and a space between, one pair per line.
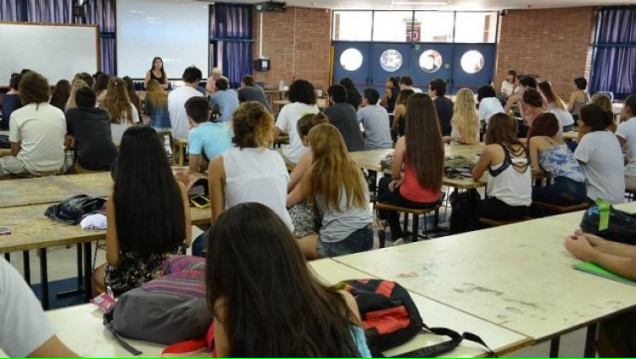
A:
518, 276
29, 191
434, 314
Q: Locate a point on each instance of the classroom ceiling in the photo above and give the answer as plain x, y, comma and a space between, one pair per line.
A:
443, 4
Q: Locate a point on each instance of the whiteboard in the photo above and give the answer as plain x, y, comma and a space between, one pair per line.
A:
56, 51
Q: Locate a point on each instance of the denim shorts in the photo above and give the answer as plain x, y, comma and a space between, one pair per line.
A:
359, 241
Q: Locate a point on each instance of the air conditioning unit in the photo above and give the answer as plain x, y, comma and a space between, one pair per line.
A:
277, 6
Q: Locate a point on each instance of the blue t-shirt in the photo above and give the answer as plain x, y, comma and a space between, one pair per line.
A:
210, 139
9, 104
227, 101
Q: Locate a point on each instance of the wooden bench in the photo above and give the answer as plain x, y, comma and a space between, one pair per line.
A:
558, 209
500, 222
178, 151
415, 212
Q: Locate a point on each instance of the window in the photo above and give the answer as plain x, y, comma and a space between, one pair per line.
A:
351, 59
391, 60
352, 25
392, 26
476, 27
433, 26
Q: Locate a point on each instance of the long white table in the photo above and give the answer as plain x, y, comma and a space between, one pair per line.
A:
518, 276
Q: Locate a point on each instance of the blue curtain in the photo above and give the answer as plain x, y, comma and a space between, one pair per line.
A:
233, 32
12, 10
614, 54
50, 11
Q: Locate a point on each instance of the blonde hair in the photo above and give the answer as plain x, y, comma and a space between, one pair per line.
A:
253, 126
602, 100
465, 117
77, 84
333, 171
156, 97
117, 102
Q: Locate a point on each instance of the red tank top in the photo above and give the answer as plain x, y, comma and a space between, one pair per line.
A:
411, 189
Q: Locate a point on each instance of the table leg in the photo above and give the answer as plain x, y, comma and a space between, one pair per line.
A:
590, 342
88, 267
80, 272
26, 264
7, 256
44, 278
554, 347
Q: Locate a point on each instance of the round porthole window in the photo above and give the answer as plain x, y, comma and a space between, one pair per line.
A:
472, 61
351, 59
391, 60
430, 61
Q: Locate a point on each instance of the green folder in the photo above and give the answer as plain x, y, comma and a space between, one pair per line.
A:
592, 268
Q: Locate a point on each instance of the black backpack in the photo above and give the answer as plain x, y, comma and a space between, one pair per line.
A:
390, 318
73, 209
621, 228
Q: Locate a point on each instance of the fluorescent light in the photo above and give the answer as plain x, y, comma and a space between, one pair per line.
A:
419, 2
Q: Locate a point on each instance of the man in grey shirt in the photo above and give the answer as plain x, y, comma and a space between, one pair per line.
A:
250, 92
375, 119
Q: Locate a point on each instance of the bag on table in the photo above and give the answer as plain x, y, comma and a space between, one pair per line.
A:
73, 209
167, 310
390, 318
195, 183
621, 225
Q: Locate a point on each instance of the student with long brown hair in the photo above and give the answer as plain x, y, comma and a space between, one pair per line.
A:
557, 107
264, 298
61, 93
156, 106
123, 113
509, 189
338, 189
398, 128
421, 150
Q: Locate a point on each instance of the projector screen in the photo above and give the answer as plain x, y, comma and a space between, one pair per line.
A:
56, 51
177, 31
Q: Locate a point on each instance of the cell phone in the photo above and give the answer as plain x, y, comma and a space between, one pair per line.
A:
200, 201
4, 230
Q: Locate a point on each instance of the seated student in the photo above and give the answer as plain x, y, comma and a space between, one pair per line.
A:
339, 191
101, 87
250, 172
304, 217
25, 329
75, 85
303, 101
406, 83
509, 85
36, 132
626, 134
527, 82
90, 126
600, 155
579, 97
134, 98
342, 115
225, 99
251, 92
465, 121
353, 95
390, 94
616, 336
207, 139
177, 98
488, 103
604, 102
156, 106
443, 105
10, 101
254, 317
421, 151
533, 106
148, 214
123, 113
509, 188
557, 107
60, 94
550, 154
398, 126
376, 122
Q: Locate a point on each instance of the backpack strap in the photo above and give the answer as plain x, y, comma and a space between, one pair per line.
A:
444, 347
129, 348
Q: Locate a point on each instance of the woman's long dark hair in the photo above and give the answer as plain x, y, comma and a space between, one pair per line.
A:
148, 203
424, 144
61, 93
163, 72
261, 289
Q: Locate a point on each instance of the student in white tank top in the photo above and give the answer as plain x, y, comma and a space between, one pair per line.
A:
250, 172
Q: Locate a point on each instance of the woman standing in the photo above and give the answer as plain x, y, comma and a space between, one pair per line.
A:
157, 72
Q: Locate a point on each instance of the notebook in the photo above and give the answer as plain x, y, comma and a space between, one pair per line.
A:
592, 268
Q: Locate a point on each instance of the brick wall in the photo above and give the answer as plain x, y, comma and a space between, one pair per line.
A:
552, 43
298, 44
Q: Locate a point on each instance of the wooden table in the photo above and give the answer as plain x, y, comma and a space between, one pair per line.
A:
518, 276
29, 191
435, 314
571, 135
370, 160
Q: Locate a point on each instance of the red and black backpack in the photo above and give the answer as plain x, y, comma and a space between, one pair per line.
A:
390, 318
